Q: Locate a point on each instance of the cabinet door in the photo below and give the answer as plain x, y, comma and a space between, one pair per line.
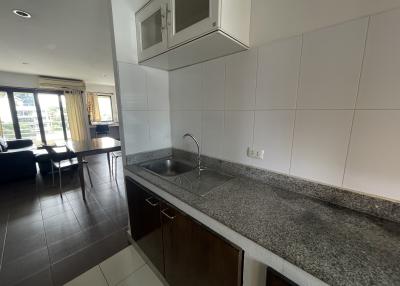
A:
189, 19
151, 29
196, 256
144, 214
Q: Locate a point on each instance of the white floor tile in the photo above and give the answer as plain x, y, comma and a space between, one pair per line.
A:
92, 277
143, 277
121, 265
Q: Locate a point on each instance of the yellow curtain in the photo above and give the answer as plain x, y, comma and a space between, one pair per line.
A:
76, 117
93, 107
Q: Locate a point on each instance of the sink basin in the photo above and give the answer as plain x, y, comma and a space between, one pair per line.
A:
168, 167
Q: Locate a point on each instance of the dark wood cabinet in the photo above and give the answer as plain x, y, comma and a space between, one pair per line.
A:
145, 222
274, 278
196, 256
192, 254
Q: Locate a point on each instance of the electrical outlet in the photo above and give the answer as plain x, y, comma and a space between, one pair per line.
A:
255, 154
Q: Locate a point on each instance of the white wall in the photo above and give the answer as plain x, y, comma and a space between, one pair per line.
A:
275, 19
323, 105
18, 80
143, 92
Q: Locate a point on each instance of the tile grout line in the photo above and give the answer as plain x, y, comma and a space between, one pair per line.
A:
47, 244
297, 102
102, 273
356, 101
4, 241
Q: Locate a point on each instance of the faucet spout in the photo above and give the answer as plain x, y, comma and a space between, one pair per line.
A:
198, 150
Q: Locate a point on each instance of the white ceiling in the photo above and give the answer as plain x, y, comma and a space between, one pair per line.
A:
64, 38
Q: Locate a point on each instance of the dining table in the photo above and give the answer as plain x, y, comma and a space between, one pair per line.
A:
90, 147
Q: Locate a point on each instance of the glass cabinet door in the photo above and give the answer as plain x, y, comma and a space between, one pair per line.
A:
188, 19
151, 30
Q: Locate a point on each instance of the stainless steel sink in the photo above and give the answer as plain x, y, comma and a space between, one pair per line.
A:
168, 167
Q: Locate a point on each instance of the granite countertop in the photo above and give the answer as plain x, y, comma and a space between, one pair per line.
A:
335, 244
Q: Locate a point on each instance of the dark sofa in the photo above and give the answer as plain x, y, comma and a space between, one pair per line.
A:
17, 160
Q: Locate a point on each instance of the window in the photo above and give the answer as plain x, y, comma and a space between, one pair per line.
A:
6, 121
105, 107
50, 107
27, 116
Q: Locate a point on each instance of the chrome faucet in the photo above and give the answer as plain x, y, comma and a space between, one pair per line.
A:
198, 151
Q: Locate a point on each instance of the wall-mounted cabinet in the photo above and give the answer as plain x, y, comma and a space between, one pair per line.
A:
182, 249
176, 33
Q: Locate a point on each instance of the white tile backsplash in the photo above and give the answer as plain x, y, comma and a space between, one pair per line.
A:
159, 129
157, 89
321, 138
374, 154
331, 65
144, 94
297, 98
186, 88
278, 74
273, 133
184, 121
214, 85
238, 136
132, 80
212, 133
380, 82
241, 74
136, 131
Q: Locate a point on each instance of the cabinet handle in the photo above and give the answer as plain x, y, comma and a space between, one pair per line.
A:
151, 203
167, 215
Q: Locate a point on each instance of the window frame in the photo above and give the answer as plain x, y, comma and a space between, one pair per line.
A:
111, 106
35, 91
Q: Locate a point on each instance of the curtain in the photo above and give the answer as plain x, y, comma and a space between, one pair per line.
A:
93, 107
76, 116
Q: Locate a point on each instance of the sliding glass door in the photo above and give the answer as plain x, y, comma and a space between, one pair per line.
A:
6, 120
27, 116
32, 114
50, 107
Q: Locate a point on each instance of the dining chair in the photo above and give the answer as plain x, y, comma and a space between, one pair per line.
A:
61, 159
102, 129
114, 163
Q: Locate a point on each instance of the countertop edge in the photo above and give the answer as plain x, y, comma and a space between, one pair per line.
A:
251, 248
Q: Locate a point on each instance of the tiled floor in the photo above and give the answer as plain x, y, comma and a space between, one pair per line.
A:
123, 269
46, 240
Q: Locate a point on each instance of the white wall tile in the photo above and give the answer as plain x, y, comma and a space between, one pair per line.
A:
374, 154
380, 84
132, 87
241, 73
157, 83
186, 88
185, 122
278, 74
159, 129
273, 133
238, 135
331, 65
136, 131
212, 133
320, 144
214, 84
